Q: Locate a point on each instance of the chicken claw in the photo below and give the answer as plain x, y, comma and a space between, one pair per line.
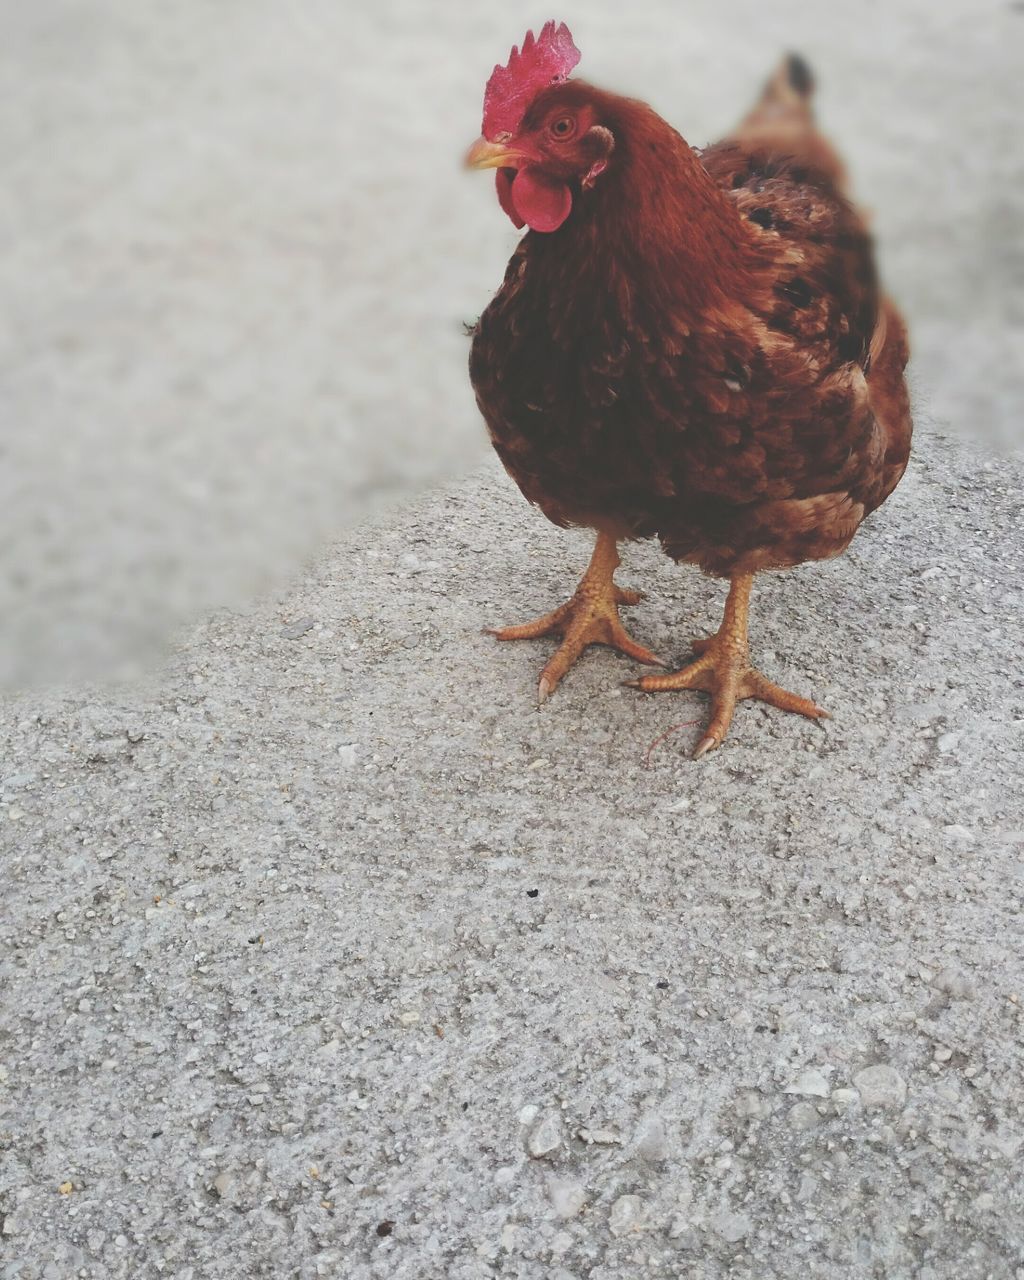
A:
590, 617
722, 668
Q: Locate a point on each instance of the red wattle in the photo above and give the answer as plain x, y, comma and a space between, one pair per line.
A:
503, 181
541, 202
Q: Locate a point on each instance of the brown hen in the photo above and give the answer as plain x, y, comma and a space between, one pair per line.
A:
689, 345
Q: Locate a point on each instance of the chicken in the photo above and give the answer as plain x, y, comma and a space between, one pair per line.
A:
688, 345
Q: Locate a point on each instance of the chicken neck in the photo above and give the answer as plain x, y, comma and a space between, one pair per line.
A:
657, 225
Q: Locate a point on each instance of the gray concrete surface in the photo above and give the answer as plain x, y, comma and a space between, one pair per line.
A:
325, 953
238, 253
322, 951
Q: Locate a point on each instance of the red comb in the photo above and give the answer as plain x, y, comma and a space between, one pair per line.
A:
544, 60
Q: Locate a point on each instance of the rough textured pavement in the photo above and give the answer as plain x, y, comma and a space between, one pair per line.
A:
327, 954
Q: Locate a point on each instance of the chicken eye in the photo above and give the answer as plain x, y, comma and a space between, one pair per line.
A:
564, 127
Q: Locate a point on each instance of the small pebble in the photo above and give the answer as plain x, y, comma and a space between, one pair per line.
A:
602, 1137
810, 1084
627, 1214
957, 831
686, 1237
14, 780
561, 1243
732, 1227
653, 1144
545, 1136
954, 982
808, 1186
296, 629
567, 1197
750, 1103
804, 1116
881, 1086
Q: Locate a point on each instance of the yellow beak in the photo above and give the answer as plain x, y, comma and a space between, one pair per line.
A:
492, 155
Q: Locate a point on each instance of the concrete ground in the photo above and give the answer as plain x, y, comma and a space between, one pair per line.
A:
325, 953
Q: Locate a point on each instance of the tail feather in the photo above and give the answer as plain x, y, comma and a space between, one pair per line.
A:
786, 96
799, 75
782, 120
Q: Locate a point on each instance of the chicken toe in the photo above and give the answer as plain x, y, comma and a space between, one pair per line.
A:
590, 617
722, 668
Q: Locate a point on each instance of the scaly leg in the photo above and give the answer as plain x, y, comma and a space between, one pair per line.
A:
723, 669
590, 617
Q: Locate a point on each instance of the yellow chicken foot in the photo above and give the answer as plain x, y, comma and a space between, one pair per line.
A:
723, 669
590, 617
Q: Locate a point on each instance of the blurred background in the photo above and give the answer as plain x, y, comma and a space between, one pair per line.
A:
239, 253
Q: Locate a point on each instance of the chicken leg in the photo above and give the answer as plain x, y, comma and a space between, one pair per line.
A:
590, 617
722, 668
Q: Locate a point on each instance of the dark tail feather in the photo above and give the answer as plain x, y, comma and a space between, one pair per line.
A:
782, 120
800, 75
789, 89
